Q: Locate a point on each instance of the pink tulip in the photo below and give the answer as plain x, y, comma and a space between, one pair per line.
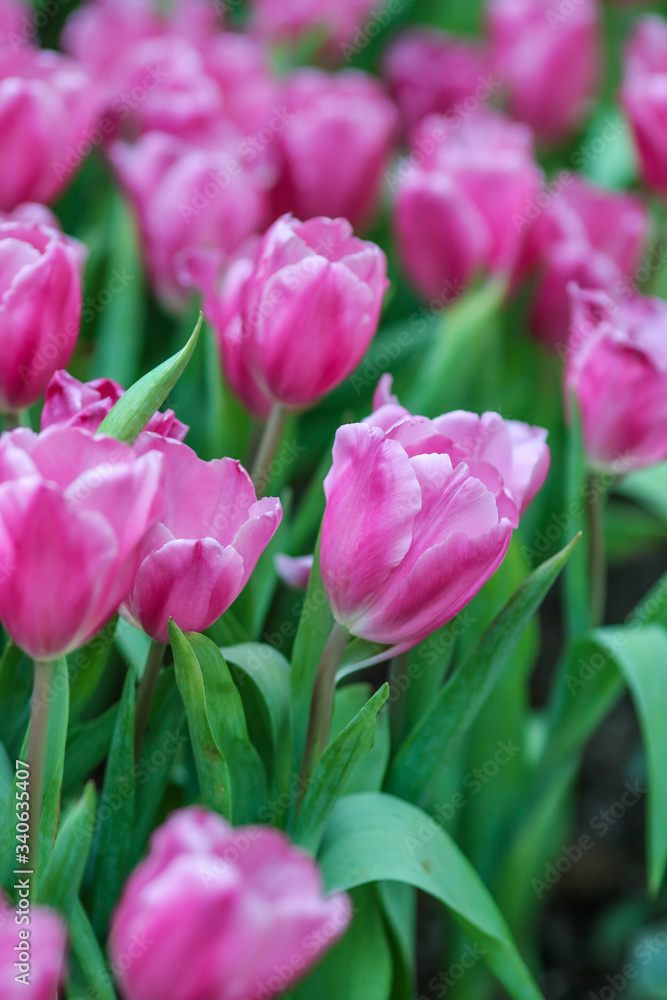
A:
548, 58
189, 197
198, 559
14, 15
39, 971
419, 515
74, 510
295, 320
70, 403
644, 97
40, 308
294, 570
291, 20
336, 146
251, 94
430, 72
457, 197
594, 237
47, 108
252, 917
617, 369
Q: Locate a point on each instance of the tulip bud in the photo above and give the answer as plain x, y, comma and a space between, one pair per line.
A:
251, 912
32, 952
419, 515
74, 510
297, 318
617, 369
336, 146
548, 59
199, 557
644, 98
40, 308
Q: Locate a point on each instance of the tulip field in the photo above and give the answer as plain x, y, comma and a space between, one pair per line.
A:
333, 499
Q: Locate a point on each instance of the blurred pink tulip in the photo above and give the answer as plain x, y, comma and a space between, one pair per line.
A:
198, 559
644, 96
189, 197
548, 59
457, 197
291, 20
47, 109
296, 318
251, 908
40, 308
70, 403
251, 94
74, 510
294, 570
336, 146
430, 72
38, 970
617, 369
14, 19
419, 515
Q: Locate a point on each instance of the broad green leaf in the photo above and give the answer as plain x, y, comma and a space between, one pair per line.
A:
333, 769
399, 905
86, 667
368, 774
315, 626
89, 955
432, 743
262, 676
134, 409
6, 779
212, 769
111, 854
61, 879
649, 488
230, 731
376, 837
87, 746
133, 644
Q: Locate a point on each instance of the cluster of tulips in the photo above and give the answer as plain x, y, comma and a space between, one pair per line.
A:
139, 581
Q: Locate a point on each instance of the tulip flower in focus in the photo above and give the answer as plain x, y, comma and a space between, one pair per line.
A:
40, 307
74, 510
296, 318
548, 59
189, 197
644, 96
617, 369
419, 515
198, 559
589, 235
250, 908
45, 940
457, 197
47, 110
430, 72
336, 146
70, 403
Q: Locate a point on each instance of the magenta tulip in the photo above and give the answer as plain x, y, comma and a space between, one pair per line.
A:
617, 369
294, 570
14, 16
250, 907
291, 20
430, 72
188, 197
336, 146
74, 511
297, 319
32, 952
548, 59
70, 403
251, 94
47, 108
644, 96
40, 308
457, 196
199, 557
419, 515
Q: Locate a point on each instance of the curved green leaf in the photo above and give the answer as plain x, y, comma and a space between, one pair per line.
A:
60, 882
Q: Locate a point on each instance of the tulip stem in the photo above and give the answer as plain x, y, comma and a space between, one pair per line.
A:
597, 567
268, 446
146, 692
39, 721
321, 705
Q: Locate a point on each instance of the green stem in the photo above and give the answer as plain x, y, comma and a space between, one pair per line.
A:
321, 705
595, 507
39, 721
398, 685
146, 692
268, 446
